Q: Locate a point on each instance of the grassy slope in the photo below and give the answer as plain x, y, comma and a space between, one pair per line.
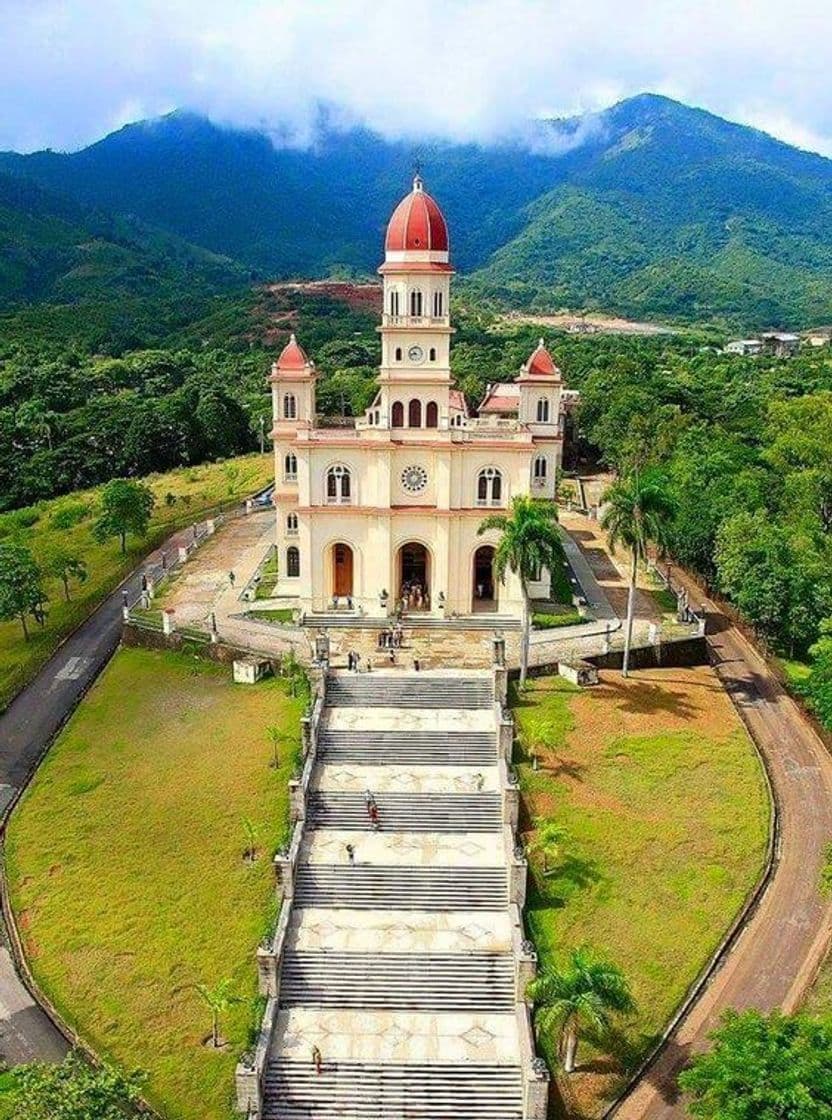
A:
664, 801
125, 866
196, 488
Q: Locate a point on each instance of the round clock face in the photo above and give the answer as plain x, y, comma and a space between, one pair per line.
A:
415, 353
414, 479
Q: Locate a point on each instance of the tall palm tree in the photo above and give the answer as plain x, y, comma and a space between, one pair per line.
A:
638, 510
529, 541
547, 842
587, 991
219, 999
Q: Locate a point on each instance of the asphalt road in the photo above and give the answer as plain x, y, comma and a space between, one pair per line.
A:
27, 727
774, 960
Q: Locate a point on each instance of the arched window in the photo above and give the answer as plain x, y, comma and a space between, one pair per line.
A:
290, 407
338, 486
489, 487
543, 411
290, 467
398, 414
431, 415
432, 353
416, 303
292, 525
292, 562
398, 353
414, 414
539, 469
394, 302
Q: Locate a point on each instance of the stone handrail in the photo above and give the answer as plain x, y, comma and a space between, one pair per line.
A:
510, 791
251, 1068
517, 867
525, 954
270, 953
534, 1071
285, 862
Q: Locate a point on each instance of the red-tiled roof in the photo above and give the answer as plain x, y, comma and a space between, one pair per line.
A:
417, 224
292, 356
540, 364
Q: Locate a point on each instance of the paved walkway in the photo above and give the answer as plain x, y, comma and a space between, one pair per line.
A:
773, 961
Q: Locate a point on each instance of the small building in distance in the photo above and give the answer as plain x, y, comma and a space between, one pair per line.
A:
780, 344
744, 346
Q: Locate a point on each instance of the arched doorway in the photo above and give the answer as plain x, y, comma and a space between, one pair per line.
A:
342, 571
414, 577
484, 590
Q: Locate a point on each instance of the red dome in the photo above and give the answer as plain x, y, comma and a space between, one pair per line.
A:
540, 363
417, 224
292, 356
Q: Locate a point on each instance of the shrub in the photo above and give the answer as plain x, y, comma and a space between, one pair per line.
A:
69, 515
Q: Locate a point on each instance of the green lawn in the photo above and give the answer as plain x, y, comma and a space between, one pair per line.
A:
126, 870
7, 1092
666, 809
191, 491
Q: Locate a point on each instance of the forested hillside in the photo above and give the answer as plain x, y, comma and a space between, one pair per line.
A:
652, 209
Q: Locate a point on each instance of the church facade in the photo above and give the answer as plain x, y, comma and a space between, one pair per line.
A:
383, 517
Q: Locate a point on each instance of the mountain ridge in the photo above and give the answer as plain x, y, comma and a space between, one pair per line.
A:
661, 210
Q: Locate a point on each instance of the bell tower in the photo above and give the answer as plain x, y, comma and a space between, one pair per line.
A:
415, 324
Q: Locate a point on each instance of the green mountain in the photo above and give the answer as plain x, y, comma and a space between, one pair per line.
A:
54, 248
650, 208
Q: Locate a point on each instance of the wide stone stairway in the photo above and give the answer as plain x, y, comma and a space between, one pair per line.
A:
398, 966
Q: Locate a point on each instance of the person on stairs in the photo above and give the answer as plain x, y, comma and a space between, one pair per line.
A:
318, 1060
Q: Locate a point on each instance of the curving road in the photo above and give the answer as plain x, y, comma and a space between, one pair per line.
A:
774, 959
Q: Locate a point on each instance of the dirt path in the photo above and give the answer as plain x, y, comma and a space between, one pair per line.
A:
775, 958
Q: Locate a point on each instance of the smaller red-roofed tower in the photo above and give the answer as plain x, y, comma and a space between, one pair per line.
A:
540, 383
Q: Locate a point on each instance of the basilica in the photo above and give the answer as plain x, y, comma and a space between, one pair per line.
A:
382, 518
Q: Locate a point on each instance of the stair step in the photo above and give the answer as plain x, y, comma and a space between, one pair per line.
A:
411, 691
413, 748
403, 981
408, 812
369, 1091
378, 887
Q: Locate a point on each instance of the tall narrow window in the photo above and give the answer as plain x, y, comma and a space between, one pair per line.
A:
489, 487
414, 414
398, 414
394, 302
539, 469
292, 525
432, 354
431, 415
416, 303
398, 353
437, 305
293, 562
290, 407
543, 411
290, 468
338, 490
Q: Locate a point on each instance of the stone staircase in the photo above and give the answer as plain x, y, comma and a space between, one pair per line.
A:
381, 1091
399, 966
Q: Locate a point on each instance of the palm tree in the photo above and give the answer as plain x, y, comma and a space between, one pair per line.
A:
276, 736
219, 999
547, 840
529, 541
585, 992
638, 510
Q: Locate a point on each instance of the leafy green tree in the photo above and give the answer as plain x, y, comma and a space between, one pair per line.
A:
529, 540
65, 566
639, 509
799, 445
219, 1000
763, 1067
818, 687
547, 842
125, 508
74, 1090
585, 992
21, 584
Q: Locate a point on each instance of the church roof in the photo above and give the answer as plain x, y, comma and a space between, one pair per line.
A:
502, 397
292, 357
540, 364
417, 224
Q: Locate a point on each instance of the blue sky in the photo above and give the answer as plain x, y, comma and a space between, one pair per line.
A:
73, 70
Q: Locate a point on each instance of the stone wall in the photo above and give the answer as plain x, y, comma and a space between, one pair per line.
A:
435, 648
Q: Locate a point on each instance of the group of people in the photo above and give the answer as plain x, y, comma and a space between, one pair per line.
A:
414, 597
391, 638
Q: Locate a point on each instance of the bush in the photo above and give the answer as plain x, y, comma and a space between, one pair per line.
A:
69, 515
553, 621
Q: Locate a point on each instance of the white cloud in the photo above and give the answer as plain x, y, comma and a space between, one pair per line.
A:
70, 70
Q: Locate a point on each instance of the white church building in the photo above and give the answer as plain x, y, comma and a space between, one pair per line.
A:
383, 517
